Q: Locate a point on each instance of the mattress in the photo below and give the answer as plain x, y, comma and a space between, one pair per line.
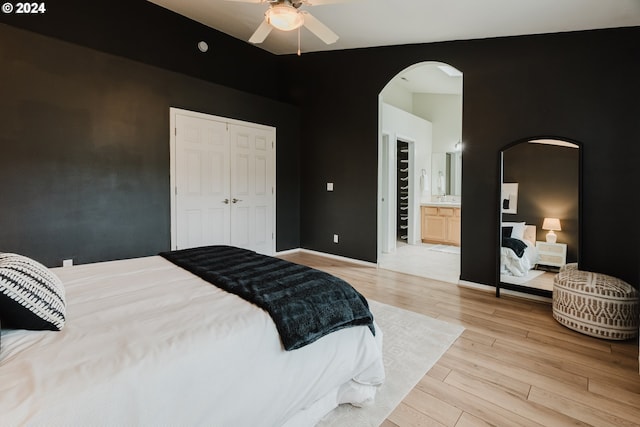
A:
148, 343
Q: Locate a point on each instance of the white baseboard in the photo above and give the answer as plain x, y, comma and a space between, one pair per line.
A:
475, 285
464, 283
502, 291
326, 255
287, 252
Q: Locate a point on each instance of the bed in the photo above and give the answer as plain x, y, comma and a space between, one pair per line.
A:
146, 342
518, 252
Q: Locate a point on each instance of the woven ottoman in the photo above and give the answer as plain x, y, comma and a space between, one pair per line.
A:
595, 304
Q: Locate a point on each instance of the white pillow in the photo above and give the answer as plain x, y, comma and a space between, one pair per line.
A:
518, 229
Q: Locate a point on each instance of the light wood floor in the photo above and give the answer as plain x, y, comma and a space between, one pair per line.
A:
514, 365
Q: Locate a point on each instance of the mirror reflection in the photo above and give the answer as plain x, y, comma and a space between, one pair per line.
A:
539, 207
446, 170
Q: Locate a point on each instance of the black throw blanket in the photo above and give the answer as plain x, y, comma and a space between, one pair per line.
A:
304, 303
517, 245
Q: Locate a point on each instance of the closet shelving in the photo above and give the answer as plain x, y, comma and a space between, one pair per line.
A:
402, 191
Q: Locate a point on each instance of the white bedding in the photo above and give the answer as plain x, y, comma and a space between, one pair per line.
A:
511, 264
147, 343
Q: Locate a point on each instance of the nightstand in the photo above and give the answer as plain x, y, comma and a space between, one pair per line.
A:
552, 254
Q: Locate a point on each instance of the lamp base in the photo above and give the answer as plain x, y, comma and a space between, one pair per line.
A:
551, 237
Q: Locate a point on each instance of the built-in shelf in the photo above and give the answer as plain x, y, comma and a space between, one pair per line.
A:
403, 181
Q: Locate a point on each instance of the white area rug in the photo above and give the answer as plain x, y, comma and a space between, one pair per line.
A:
412, 344
531, 274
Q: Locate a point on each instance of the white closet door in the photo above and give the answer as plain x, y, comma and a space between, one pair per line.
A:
203, 207
252, 188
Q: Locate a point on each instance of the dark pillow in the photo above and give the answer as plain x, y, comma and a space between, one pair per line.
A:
506, 231
31, 296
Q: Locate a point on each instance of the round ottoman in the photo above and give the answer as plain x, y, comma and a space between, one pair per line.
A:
595, 304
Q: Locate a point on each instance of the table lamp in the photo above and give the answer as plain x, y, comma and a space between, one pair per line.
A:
551, 224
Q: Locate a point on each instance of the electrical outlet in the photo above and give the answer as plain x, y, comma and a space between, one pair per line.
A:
67, 262
335, 238
329, 186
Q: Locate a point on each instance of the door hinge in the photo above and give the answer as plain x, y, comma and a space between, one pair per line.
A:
175, 131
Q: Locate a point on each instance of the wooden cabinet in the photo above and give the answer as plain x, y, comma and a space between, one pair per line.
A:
441, 225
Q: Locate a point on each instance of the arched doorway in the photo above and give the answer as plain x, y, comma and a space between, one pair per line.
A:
420, 116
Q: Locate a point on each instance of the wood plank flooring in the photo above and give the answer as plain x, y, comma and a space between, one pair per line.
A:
514, 365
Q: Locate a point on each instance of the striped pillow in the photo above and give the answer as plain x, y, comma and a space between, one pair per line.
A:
31, 296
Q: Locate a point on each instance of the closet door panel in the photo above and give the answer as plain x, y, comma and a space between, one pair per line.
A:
252, 187
202, 182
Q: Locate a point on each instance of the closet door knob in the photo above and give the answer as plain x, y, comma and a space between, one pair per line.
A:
234, 200
225, 201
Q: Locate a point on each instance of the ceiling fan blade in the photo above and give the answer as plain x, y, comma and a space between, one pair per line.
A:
319, 29
261, 33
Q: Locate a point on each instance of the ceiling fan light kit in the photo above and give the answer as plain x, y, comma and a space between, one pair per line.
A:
284, 17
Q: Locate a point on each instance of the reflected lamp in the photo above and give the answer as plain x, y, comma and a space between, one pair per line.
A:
551, 224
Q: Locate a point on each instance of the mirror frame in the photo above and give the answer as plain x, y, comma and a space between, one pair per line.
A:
521, 288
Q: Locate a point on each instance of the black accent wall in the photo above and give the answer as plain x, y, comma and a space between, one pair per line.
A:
579, 86
84, 169
142, 31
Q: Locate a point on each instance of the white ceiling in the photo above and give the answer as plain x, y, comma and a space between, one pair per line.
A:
368, 23
426, 77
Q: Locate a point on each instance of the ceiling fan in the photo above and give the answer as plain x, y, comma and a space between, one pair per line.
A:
286, 15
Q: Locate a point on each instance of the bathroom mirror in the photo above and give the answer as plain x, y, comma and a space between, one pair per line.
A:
446, 173
539, 185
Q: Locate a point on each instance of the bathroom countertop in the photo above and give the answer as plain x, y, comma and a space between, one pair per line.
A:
441, 204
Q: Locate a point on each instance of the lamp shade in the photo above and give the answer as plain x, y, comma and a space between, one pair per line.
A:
551, 224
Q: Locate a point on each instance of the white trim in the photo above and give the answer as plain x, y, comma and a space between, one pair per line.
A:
341, 258
326, 255
463, 283
475, 285
287, 252
172, 176
489, 288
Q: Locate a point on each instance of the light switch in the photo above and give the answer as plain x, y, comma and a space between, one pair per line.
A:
329, 186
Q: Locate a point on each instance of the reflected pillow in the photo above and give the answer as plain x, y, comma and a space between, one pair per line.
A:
506, 231
31, 296
518, 229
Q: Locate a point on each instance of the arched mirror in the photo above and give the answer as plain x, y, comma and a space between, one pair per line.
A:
539, 213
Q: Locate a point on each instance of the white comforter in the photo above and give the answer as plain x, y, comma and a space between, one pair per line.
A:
513, 265
147, 343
